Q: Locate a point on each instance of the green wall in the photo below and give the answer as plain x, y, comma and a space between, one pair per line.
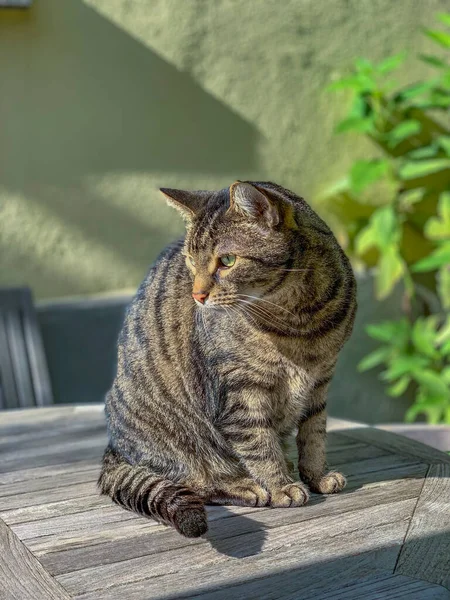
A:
102, 101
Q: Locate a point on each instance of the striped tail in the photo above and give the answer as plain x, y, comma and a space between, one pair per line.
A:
136, 488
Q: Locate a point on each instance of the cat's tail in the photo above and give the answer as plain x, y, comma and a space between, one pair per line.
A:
136, 488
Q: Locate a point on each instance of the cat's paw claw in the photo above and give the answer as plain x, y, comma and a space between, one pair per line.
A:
290, 495
331, 483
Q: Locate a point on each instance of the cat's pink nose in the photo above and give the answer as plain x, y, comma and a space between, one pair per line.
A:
200, 296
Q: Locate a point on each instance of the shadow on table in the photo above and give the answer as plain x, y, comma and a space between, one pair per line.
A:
388, 568
251, 533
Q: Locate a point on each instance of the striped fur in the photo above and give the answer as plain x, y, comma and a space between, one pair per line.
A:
206, 395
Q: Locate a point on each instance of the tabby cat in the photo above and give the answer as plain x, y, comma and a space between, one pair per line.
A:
229, 344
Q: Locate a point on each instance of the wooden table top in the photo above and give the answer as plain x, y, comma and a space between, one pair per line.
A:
386, 536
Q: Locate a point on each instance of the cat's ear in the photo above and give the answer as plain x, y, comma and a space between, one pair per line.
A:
250, 202
187, 203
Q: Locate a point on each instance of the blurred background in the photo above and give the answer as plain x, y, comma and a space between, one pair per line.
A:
346, 102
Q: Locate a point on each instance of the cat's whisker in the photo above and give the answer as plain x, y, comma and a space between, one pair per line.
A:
272, 319
242, 311
295, 270
269, 320
261, 310
268, 302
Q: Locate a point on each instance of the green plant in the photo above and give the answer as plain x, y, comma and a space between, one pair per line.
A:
395, 211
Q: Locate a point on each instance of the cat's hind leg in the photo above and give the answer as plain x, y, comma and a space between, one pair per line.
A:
139, 489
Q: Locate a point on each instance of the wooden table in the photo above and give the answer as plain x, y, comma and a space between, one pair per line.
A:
386, 536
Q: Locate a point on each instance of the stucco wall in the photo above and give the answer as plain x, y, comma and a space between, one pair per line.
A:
102, 101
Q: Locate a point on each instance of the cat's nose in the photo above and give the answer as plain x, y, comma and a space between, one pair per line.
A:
200, 296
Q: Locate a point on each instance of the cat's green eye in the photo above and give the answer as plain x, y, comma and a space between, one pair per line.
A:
227, 260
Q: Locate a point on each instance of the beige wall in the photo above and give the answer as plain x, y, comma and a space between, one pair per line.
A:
102, 101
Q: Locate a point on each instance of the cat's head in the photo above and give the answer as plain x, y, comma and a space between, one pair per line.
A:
241, 242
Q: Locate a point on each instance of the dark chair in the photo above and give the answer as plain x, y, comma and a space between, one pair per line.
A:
24, 378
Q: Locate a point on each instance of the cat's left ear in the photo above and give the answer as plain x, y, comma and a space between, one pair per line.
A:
186, 203
250, 202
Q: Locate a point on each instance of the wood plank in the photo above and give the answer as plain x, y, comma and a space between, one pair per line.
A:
397, 444
50, 483
388, 587
61, 446
21, 575
18, 421
44, 414
80, 521
65, 453
240, 529
373, 471
43, 437
51, 510
48, 471
403, 469
77, 490
364, 576
426, 552
240, 559
121, 530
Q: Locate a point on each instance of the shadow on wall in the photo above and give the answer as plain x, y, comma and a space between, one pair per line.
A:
96, 100
83, 98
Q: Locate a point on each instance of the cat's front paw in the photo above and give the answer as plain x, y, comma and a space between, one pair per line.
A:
242, 492
331, 483
290, 495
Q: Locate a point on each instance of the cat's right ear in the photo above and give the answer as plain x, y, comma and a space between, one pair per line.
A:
186, 203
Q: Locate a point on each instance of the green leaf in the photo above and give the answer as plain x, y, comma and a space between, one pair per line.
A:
391, 63
444, 143
360, 107
403, 131
410, 197
445, 374
366, 239
446, 418
439, 37
444, 18
444, 81
424, 152
444, 332
436, 99
414, 169
438, 258
423, 336
360, 124
374, 359
444, 286
397, 389
432, 410
385, 222
381, 232
395, 333
390, 269
358, 82
412, 91
445, 348
431, 383
365, 172
438, 228
403, 365
412, 412
433, 60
